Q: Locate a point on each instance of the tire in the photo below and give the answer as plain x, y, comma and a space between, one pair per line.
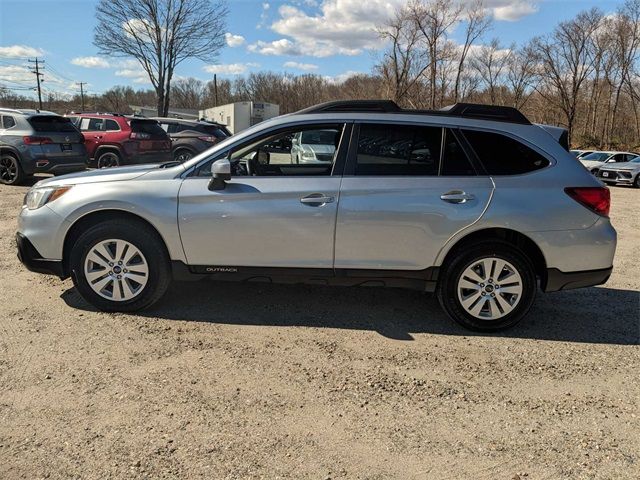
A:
109, 159
128, 287
11, 172
636, 182
182, 155
475, 314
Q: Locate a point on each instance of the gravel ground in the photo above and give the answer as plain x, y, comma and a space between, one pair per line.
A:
227, 381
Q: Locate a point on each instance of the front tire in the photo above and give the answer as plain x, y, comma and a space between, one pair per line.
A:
109, 160
120, 266
636, 182
11, 172
488, 287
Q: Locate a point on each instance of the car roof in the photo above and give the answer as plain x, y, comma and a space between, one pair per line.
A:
185, 121
29, 112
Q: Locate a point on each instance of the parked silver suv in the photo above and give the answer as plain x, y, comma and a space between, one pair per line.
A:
474, 203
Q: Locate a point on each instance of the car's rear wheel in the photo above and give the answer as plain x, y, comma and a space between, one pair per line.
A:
488, 287
120, 266
10, 170
182, 155
108, 160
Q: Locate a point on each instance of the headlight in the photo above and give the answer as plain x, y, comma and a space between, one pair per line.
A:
39, 196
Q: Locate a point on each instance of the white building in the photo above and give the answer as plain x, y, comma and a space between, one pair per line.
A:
241, 115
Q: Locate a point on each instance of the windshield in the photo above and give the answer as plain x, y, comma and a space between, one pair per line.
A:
51, 123
597, 156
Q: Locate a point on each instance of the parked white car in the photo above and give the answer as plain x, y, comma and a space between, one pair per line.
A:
596, 160
314, 146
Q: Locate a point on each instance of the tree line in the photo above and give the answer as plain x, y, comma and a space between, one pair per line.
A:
583, 75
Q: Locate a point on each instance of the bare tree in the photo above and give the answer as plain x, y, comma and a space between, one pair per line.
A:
404, 62
434, 19
478, 21
188, 93
566, 59
490, 62
160, 34
520, 76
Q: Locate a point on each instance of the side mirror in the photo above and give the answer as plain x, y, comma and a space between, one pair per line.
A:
263, 157
221, 172
294, 141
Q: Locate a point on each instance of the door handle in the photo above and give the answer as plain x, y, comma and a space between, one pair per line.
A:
97, 137
316, 200
456, 196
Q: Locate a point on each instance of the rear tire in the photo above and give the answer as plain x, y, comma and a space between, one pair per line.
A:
11, 172
120, 266
487, 287
109, 159
182, 155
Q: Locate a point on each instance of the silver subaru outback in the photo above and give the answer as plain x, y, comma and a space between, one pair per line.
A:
473, 203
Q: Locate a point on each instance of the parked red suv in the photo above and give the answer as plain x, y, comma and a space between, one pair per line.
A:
112, 139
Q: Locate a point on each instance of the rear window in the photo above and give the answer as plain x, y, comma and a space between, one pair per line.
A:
147, 126
213, 130
502, 155
51, 123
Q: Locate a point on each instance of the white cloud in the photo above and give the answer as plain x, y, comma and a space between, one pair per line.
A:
91, 62
17, 74
348, 27
512, 10
341, 78
283, 46
300, 66
230, 68
18, 51
132, 70
233, 40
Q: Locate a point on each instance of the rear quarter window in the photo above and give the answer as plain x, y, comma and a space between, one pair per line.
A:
51, 123
146, 126
502, 155
212, 130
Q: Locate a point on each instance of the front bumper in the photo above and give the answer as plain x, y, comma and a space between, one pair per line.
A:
31, 258
557, 280
613, 177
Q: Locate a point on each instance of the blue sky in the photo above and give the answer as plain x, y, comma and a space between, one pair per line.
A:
334, 38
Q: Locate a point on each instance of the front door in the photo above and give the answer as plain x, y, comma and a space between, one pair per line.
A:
272, 213
405, 192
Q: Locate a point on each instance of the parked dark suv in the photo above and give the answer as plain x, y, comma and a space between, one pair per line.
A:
113, 139
33, 141
188, 137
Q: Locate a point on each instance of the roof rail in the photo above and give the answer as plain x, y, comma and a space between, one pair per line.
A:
382, 106
486, 112
466, 110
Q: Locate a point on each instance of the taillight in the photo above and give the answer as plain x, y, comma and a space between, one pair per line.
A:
36, 140
596, 199
140, 136
210, 139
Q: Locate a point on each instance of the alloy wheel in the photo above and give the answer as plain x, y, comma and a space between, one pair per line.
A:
116, 270
8, 169
489, 288
108, 160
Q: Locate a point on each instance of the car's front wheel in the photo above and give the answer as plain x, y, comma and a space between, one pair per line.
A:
488, 287
120, 266
636, 182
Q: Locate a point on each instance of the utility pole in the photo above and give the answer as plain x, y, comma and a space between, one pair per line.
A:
82, 93
36, 71
215, 88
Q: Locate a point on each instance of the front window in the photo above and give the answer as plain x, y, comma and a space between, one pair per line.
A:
299, 151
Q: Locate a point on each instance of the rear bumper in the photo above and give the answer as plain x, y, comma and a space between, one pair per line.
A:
557, 280
31, 258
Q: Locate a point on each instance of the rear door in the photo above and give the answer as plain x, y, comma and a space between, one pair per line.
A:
407, 189
93, 131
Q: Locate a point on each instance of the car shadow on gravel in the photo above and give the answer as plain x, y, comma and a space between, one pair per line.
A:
593, 315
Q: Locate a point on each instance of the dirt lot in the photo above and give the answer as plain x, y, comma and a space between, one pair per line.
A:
250, 381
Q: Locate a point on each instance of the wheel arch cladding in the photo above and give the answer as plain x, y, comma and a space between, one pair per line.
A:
516, 239
94, 218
